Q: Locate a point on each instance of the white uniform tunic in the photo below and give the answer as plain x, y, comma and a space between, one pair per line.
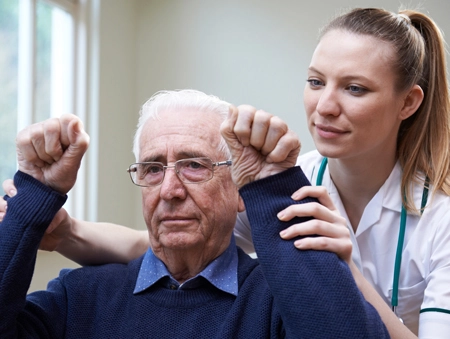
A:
424, 284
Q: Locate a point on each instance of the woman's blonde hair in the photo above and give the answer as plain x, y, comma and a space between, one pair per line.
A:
423, 143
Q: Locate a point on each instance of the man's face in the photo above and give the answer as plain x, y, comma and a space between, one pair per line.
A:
184, 216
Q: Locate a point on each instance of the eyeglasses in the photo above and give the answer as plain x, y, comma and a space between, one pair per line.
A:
190, 171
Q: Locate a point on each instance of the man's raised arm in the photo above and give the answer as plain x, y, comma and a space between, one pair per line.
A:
314, 290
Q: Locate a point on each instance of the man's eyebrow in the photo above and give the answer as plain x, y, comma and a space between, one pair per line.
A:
152, 159
179, 156
191, 154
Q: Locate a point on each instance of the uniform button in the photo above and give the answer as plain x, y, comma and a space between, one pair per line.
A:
173, 287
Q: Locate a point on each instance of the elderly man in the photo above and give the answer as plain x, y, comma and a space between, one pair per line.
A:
193, 282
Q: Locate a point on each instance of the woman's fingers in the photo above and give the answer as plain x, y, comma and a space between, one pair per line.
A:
318, 192
326, 231
341, 246
321, 235
312, 209
3, 207
9, 188
316, 227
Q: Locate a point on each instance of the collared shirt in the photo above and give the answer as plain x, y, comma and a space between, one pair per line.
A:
221, 272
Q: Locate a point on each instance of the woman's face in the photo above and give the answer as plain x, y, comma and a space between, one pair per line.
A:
350, 99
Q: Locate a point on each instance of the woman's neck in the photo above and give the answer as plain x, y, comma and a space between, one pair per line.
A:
358, 180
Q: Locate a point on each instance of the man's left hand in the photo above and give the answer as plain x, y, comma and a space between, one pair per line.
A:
261, 144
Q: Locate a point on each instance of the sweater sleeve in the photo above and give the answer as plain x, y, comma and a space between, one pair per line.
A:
314, 290
29, 214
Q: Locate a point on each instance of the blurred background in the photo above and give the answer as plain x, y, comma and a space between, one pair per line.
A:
101, 60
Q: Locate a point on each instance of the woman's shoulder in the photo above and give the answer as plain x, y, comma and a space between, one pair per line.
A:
436, 214
310, 163
438, 204
309, 157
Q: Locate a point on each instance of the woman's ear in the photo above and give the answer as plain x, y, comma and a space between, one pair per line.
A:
411, 102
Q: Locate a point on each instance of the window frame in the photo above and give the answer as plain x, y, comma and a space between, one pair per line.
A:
84, 84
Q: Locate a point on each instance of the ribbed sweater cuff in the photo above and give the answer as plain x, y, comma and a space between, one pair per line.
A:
274, 191
35, 203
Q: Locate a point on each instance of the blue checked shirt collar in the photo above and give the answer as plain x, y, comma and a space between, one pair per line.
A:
221, 272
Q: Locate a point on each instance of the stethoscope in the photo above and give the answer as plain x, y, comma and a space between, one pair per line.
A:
401, 234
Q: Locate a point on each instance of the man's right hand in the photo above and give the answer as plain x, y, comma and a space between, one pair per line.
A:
51, 151
57, 232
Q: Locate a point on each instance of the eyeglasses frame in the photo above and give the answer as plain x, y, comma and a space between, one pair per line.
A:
213, 166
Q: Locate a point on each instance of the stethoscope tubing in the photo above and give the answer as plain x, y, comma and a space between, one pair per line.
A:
401, 234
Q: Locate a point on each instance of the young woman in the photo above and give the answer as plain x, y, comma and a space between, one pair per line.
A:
378, 109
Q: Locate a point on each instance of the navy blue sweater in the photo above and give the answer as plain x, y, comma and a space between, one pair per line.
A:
289, 293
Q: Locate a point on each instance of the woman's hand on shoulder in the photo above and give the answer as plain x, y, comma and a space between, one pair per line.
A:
10, 190
328, 226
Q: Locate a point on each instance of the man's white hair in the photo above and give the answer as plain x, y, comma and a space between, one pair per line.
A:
176, 100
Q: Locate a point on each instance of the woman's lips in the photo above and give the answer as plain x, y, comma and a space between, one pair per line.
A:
329, 132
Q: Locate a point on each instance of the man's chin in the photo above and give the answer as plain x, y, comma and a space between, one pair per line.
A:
178, 241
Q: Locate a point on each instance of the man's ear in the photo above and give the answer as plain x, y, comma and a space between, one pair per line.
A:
241, 206
412, 102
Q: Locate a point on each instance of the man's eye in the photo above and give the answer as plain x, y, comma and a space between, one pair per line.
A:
194, 165
150, 169
154, 169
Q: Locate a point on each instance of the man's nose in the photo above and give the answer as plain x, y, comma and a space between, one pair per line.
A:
172, 187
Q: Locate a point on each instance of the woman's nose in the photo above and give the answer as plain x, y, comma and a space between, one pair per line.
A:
328, 103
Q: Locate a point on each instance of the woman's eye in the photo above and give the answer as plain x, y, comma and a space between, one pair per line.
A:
314, 82
356, 89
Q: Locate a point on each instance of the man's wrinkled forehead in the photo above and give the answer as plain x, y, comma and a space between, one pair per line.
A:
181, 133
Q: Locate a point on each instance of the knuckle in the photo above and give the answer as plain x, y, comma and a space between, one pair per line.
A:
315, 208
22, 138
346, 232
240, 129
278, 125
347, 249
348, 246
261, 114
321, 190
36, 132
322, 243
246, 109
315, 224
52, 126
293, 142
